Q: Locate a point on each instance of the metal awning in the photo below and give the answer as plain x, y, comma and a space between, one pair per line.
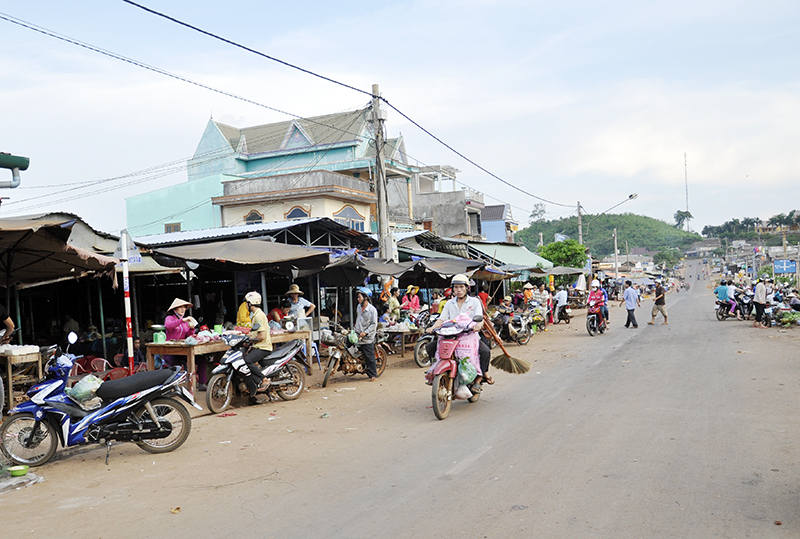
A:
503, 254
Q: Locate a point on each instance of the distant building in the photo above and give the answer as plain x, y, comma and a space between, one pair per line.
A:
498, 223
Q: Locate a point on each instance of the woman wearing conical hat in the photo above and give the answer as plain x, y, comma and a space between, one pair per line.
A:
301, 307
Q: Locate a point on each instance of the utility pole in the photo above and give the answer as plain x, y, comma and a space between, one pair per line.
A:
384, 237
580, 225
627, 255
616, 260
686, 179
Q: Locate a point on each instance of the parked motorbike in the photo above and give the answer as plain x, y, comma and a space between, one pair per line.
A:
593, 324
284, 367
453, 346
564, 313
521, 326
345, 355
141, 408
538, 315
420, 351
745, 303
724, 310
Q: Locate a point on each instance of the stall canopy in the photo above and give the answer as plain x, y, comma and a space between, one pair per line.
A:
509, 257
35, 250
249, 254
565, 270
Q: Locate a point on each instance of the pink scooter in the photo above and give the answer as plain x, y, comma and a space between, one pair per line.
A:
457, 341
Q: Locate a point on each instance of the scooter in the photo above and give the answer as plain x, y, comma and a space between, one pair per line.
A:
457, 343
723, 310
141, 408
593, 324
564, 313
284, 367
346, 356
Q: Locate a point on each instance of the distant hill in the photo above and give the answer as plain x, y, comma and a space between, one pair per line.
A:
638, 230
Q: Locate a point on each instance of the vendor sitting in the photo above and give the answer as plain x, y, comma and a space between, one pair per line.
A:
301, 307
279, 313
411, 299
178, 328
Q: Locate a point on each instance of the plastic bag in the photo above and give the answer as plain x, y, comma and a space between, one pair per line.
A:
85, 388
462, 392
466, 371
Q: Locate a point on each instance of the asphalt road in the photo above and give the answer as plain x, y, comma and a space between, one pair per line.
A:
686, 430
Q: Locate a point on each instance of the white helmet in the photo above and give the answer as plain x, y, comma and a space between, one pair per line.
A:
460, 279
595, 284
253, 298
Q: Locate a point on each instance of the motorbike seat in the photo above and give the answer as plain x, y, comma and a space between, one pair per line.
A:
281, 351
114, 389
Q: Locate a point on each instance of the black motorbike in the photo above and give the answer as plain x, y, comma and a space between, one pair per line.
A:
346, 356
421, 357
564, 314
284, 367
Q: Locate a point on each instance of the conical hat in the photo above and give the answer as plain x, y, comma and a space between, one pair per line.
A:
178, 303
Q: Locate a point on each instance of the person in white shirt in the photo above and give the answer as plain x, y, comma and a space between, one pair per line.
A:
561, 298
462, 303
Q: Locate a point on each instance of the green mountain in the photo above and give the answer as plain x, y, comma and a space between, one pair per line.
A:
598, 230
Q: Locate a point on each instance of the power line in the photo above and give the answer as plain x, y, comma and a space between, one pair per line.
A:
309, 72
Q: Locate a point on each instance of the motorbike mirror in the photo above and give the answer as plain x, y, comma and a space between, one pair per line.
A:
477, 318
72, 337
256, 327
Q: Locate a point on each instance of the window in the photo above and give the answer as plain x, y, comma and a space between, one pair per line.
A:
172, 227
349, 217
297, 213
253, 218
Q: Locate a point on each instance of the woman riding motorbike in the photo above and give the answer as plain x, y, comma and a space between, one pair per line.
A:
461, 303
599, 299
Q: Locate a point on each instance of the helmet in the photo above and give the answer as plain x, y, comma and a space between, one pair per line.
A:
595, 284
561, 287
764, 276
723, 282
364, 291
459, 279
253, 298
507, 298
448, 292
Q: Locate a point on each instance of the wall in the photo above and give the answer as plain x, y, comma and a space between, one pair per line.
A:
448, 211
276, 211
188, 203
494, 230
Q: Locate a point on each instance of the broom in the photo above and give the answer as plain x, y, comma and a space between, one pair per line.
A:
504, 362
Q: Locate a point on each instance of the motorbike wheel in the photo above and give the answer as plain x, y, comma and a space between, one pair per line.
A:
566, 318
2, 396
331, 367
291, 392
591, 326
492, 343
219, 393
14, 433
178, 417
442, 395
524, 337
421, 357
721, 314
380, 361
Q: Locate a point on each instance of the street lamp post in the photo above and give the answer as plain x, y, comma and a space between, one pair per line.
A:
632, 196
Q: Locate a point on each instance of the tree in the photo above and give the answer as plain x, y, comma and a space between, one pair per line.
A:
564, 253
682, 217
537, 215
667, 257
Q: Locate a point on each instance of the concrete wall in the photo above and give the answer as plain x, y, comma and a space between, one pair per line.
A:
186, 203
276, 211
448, 211
213, 156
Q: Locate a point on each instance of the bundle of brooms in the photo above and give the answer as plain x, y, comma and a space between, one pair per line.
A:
504, 361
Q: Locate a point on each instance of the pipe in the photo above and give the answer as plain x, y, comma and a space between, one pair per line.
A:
14, 182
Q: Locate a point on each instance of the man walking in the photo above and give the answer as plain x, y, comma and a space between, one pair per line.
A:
366, 326
759, 301
660, 305
630, 298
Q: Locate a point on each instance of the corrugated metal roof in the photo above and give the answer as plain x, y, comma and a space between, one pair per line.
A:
228, 232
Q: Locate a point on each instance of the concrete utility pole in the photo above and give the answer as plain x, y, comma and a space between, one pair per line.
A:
580, 225
686, 178
616, 260
384, 237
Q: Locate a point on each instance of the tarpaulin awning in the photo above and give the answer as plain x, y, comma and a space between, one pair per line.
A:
503, 254
36, 249
249, 254
565, 270
447, 267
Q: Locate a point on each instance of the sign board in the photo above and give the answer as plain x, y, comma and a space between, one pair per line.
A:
134, 257
785, 266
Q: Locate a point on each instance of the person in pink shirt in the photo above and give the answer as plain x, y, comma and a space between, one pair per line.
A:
411, 299
179, 326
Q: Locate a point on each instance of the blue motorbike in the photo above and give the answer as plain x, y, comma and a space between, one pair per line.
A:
140, 408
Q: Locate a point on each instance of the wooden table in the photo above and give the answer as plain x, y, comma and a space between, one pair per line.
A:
403, 343
180, 348
11, 379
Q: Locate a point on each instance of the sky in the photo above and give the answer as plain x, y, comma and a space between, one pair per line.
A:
569, 101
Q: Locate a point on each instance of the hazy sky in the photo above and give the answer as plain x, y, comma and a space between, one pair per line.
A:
587, 101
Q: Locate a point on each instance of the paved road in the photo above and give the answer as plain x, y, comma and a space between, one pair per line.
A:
688, 430
665, 431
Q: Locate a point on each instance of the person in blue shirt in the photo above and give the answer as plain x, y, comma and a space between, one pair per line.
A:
605, 305
631, 300
722, 291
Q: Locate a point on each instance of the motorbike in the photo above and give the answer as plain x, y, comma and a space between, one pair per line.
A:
141, 408
745, 303
723, 310
509, 334
564, 313
421, 357
456, 342
284, 367
593, 326
521, 325
346, 357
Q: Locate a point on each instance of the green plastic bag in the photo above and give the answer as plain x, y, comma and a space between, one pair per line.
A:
85, 388
466, 371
